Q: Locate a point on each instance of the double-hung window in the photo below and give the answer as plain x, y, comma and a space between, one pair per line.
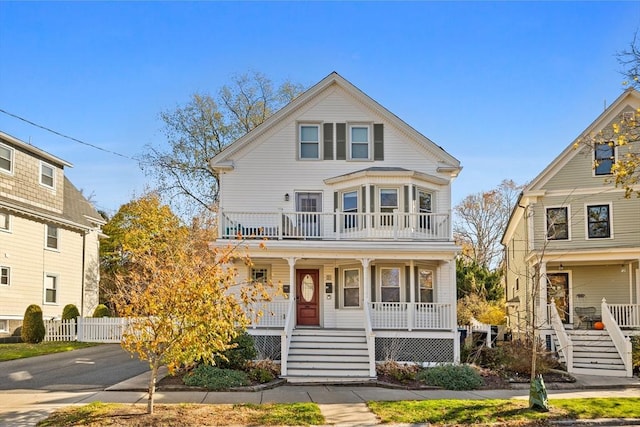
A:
599, 221
424, 209
425, 282
388, 204
260, 275
390, 284
359, 142
558, 223
47, 175
604, 158
52, 237
351, 288
350, 209
5, 224
5, 276
51, 289
309, 142
6, 158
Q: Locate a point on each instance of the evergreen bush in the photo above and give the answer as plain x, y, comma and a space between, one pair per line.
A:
101, 311
214, 378
451, 377
70, 311
237, 357
33, 325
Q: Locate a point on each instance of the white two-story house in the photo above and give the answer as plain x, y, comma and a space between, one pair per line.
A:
355, 207
572, 250
48, 237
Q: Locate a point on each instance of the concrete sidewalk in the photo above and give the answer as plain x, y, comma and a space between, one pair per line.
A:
341, 405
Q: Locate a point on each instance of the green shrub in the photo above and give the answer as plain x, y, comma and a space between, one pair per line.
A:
237, 357
32, 325
451, 377
214, 378
70, 311
260, 375
514, 357
101, 311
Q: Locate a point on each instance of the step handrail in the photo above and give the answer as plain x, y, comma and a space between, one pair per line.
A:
566, 345
371, 340
285, 338
622, 343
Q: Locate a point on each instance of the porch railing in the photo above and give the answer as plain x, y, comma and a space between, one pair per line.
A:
622, 343
566, 346
273, 314
335, 225
626, 315
411, 315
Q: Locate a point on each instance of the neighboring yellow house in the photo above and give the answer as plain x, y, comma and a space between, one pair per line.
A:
49, 249
578, 231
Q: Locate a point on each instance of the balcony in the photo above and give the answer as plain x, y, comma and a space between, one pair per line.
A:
335, 226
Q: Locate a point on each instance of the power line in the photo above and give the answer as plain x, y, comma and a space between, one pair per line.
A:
65, 136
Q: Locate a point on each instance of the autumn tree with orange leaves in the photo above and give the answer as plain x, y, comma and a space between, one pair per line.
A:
183, 300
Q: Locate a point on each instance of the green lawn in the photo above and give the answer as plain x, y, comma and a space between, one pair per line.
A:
21, 350
498, 410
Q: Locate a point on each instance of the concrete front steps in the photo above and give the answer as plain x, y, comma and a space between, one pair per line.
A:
595, 354
328, 356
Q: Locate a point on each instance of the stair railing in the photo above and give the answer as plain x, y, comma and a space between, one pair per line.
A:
371, 340
285, 338
622, 343
566, 345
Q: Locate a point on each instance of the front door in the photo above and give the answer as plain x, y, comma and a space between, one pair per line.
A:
307, 299
558, 289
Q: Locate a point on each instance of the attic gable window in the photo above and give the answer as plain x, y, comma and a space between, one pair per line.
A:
310, 142
6, 158
604, 157
359, 142
47, 175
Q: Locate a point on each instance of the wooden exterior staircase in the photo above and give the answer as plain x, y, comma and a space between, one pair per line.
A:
328, 356
594, 353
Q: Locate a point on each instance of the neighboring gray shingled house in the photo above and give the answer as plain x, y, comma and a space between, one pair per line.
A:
49, 248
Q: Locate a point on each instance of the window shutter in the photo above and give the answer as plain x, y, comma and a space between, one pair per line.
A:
327, 133
372, 193
406, 198
378, 141
335, 209
341, 141
407, 282
373, 283
336, 294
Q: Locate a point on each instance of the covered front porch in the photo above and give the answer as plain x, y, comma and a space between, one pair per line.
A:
352, 312
591, 309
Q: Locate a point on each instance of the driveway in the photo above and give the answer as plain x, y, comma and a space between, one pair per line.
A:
86, 369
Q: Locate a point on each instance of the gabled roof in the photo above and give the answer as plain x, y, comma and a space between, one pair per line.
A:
222, 158
12, 140
628, 97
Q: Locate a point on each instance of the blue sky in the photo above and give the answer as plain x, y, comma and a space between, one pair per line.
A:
502, 86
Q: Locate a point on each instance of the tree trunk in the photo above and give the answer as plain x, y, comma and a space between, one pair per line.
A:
152, 386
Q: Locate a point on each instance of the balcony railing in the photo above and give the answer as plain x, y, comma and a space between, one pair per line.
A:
335, 225
411, 315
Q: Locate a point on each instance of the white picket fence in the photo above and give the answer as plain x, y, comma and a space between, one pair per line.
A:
86, 329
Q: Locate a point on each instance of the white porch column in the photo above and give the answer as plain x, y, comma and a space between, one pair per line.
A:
637, 283
292, 277
412, 296
366, 279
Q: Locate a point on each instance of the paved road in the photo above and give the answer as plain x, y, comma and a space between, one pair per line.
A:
92, 368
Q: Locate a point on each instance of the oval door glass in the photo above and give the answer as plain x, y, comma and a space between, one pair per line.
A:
307, 288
